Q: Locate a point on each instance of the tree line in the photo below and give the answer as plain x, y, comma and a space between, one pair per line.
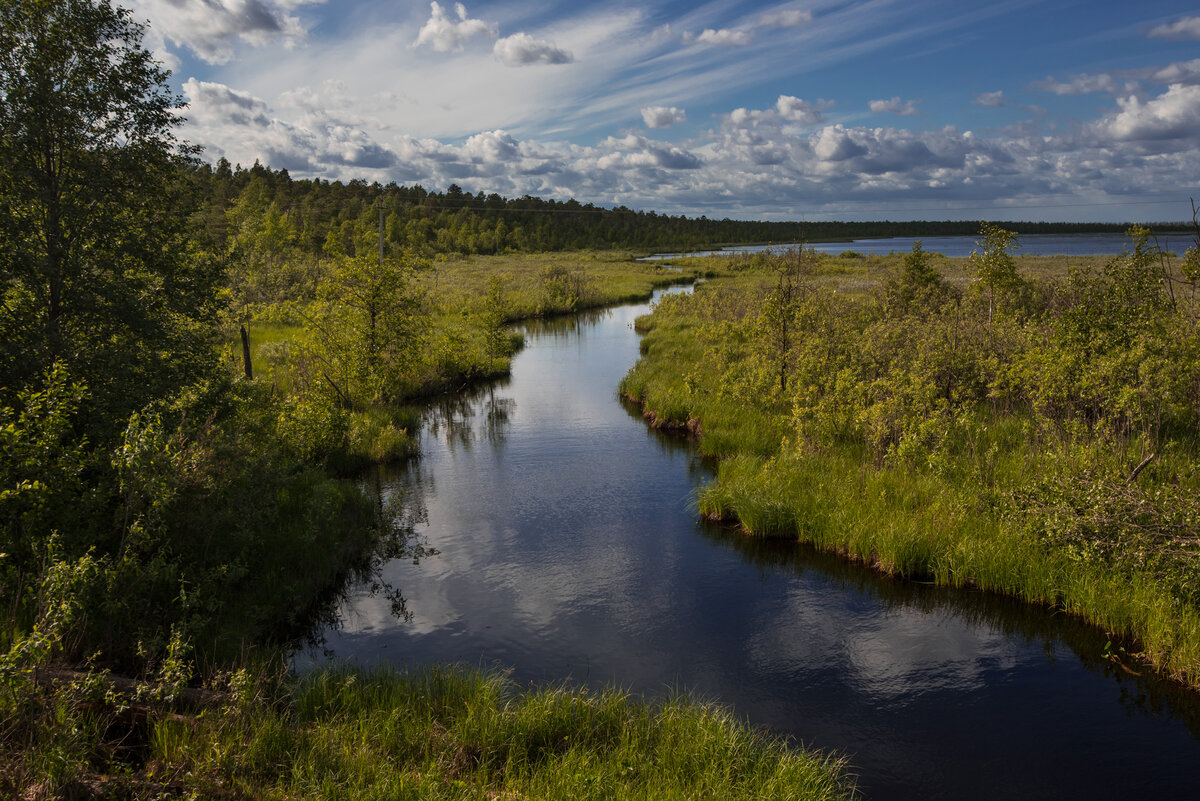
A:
317, 216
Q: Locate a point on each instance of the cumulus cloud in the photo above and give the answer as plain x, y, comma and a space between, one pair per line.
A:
793, 109
991, 99
521, 49
638, 152
1181, 29
786, 18
769, 162
663, 116
444, 34
1172, 115
242, 128
492, 146
215, 102
212, 28
725, 36
786, 109
906, 108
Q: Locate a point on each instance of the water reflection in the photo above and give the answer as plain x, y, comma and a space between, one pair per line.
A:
900, 660
459, 420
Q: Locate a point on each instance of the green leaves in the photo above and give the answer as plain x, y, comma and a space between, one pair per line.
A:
94, 262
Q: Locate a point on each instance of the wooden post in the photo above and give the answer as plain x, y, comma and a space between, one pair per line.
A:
246, 354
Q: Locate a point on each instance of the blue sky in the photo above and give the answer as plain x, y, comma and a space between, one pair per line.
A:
838, 109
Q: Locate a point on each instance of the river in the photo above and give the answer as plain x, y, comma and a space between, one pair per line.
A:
556, 537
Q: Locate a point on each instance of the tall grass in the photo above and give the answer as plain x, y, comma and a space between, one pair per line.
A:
438, 733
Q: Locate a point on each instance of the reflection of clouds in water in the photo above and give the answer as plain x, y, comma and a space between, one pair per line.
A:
893, 656
907, 652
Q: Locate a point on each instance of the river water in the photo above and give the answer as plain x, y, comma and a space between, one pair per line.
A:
960, 246
556, 537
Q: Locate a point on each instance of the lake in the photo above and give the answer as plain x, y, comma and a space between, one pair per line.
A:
957, 246
556, 537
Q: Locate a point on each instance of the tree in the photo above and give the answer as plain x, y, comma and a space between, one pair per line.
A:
995, 270
918, 286
777, 315
367, 328
95, 268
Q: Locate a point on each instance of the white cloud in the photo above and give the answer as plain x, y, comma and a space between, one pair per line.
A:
1172, 115
212, 28
793, 109
905, 108
1185, 28
786, 18
663, 116
758, 163
444, 34
991, 99
521, 50
341, 113
639, 153
215, 102
786, 109
724, 37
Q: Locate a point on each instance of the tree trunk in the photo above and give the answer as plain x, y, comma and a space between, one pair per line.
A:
246, 354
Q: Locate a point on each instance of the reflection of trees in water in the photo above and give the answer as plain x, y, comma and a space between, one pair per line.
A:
565, 326
400, 507
453, 418
397, 494
1147, 693
700, 469
497, 413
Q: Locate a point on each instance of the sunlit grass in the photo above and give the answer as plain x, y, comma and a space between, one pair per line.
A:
443, 732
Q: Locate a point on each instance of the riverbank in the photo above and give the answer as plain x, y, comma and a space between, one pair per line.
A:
437, 733
864, 454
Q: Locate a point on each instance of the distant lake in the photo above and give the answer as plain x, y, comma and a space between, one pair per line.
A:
1028, 244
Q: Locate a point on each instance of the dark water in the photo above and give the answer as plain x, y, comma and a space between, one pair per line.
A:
567, 546
957, 246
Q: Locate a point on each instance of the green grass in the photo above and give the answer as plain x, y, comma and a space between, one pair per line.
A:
954, 522
453, 355
435, 733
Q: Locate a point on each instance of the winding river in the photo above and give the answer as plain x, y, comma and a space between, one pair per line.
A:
556, 537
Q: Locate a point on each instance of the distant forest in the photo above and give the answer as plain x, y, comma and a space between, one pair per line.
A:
319, 216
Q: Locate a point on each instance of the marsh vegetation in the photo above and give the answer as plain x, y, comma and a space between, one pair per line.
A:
1022, 425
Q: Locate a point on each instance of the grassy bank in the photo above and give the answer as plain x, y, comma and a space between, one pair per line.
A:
864, 452
440, 733
346, 360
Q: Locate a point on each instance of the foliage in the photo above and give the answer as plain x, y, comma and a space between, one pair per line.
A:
366, 329
996, 276
95, 264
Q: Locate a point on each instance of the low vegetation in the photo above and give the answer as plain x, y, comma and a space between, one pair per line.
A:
1023, 426
434, 733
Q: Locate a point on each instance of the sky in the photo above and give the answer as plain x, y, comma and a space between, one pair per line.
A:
831, 109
